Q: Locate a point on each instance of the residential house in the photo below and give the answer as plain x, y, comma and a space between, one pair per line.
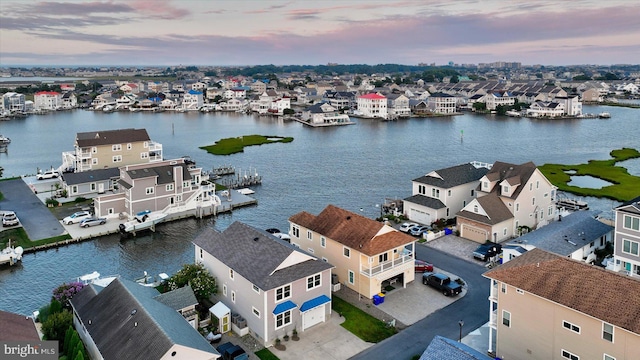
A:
13, 102
163, 186
577, 236
183, 300
572, 104
323, 113
441, 194
372, 106
495, 99
126, 101
192, 100
508, 198
547, 306
16, 327
130, 88
103, 100
258, 87
107, 319
366, 253
546, 109
47, 100
441, 103
270, 283
199, 86
235, 93
627, 237
442, 348
419, 107
91, 182
279, 105
341, 99
69, 100
214, 92
233, 105
111, 148
398, 106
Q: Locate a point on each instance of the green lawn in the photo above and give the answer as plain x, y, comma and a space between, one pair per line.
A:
625, 186
265, 354
361, 324
234, 145
19, 237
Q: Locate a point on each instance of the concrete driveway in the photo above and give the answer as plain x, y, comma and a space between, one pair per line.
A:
36, 219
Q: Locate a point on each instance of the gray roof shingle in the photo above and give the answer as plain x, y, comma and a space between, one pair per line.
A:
427, 201
108, 137
441, 348
453, 176
91, 176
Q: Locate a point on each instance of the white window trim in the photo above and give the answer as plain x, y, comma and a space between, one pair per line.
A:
613, 332
608, 357
150, 190
571, 356
571, 327
503, 318
275, 293
348, 251
231, 274
309, 235
256, 288
224, 289
631, 242
313, 281
233, 296
349, 276
282, 314
255, 311
323, 242
169, 187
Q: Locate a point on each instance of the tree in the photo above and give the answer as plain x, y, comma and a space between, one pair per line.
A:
202, 283
75, 339
56, 326
65, 292
479, 106
454, 79
67, 339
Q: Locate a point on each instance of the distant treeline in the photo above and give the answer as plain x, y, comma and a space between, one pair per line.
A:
264, 70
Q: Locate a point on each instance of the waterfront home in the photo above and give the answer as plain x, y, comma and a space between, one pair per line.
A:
111, 148
368, 255
233, 105
323, 113
130, 88
125, 101
103, 100
192, 100
398, 106
578, 236
47, 100
419, 107
273, 286
495, 99
341, 99
572, 104
546, 109
627, 237
69, 100
441, 103
16, 327
170, 186
91, 182
509, 196
372, 105
125, 320
13, 102
441, 194
563, 309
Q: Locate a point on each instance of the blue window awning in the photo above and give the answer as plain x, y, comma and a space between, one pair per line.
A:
285, 306
315, 302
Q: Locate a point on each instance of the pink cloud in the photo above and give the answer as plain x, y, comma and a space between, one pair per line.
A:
161, 9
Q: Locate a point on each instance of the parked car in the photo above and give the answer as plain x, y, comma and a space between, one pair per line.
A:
229, 351
418, 230
405, 227
486, 251
76, 217
442, 283
423, 266
93, 221
49, 174
9, 218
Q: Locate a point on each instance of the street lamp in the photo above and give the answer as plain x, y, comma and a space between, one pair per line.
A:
461, 323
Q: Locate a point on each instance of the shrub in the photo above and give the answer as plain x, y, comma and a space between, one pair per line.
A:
202, 283
80, 199
65, 292
56, 326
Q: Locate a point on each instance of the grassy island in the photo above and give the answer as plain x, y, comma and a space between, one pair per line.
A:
625, 186
234, 145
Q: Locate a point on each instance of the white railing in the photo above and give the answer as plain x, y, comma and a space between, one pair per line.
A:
386, 266
479, 164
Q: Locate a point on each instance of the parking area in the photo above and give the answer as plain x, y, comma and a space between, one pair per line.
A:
456, 246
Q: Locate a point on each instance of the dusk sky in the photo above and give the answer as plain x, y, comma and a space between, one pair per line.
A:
253, 32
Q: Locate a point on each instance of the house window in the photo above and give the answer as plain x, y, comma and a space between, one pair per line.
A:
224, 289
448, 192
435, 193
256, 289
231, 274
325, 259
505, 189
283, 292
116, 147
506, 318
546, 195
383, 257
504, 232
283, 319
632, 223
94, 161
346, 252
295, 230
472, 192
352, 276
185, 184
570, 326
517, 207
607, 332
233, 296
313, 281
309, 235
255, 311
503, 288
530, 186
485, 185
630, 247
475, 208
323, 242
94, 150
520, 291
117, 158
537, 184
608, 357
129, 146
550, 210
144, 155
447, 212
74, 189
533, 201
568, 355
169, 187
145, 144
149, 190
201, 254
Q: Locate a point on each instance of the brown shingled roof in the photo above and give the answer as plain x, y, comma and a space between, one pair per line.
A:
603, 294
352, 230
496, 210
501, 171
16, 327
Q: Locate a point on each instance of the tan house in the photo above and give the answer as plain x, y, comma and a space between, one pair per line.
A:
547, 306
365, 253
111, 148
509, 197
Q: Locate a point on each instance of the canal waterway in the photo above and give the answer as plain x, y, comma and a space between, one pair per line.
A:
354, 167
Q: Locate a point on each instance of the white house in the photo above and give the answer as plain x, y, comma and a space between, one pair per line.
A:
192, 100
47, 100
372, 106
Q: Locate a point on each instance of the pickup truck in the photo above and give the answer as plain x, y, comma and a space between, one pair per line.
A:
229, 351
486, 251
442, 283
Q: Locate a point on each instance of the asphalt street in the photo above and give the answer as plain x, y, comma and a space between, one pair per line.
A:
472, 309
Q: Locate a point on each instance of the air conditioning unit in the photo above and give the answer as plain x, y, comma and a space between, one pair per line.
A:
335, 287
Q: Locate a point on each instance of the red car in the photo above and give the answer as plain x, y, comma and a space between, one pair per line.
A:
423, 266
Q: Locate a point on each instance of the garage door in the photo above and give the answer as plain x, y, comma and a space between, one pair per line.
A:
420, 216
313, 316
473, 233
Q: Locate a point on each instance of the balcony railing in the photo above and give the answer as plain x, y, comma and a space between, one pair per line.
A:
388, 265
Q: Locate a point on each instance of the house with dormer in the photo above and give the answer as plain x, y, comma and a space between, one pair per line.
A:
125, 320
192, 100
441, 194
274, 286
546, 109
502, 98
441, 103
509, 197
366, 253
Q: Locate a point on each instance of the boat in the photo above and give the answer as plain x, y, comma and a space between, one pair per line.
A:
11, 255
4, 140
604, 115
513, 113
152, 281
146, 280
142, 221
572, 204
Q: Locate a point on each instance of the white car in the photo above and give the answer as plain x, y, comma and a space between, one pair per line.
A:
76, 217
9, 218
405, 227
49, 174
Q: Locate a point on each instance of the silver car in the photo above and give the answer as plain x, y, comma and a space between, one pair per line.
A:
92, 221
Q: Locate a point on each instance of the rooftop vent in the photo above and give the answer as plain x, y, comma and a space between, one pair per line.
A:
349, 217
134, 311
256, 238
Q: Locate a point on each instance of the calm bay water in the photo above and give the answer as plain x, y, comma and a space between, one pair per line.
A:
354, 167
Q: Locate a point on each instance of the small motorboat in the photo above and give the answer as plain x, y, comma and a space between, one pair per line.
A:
4, 140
